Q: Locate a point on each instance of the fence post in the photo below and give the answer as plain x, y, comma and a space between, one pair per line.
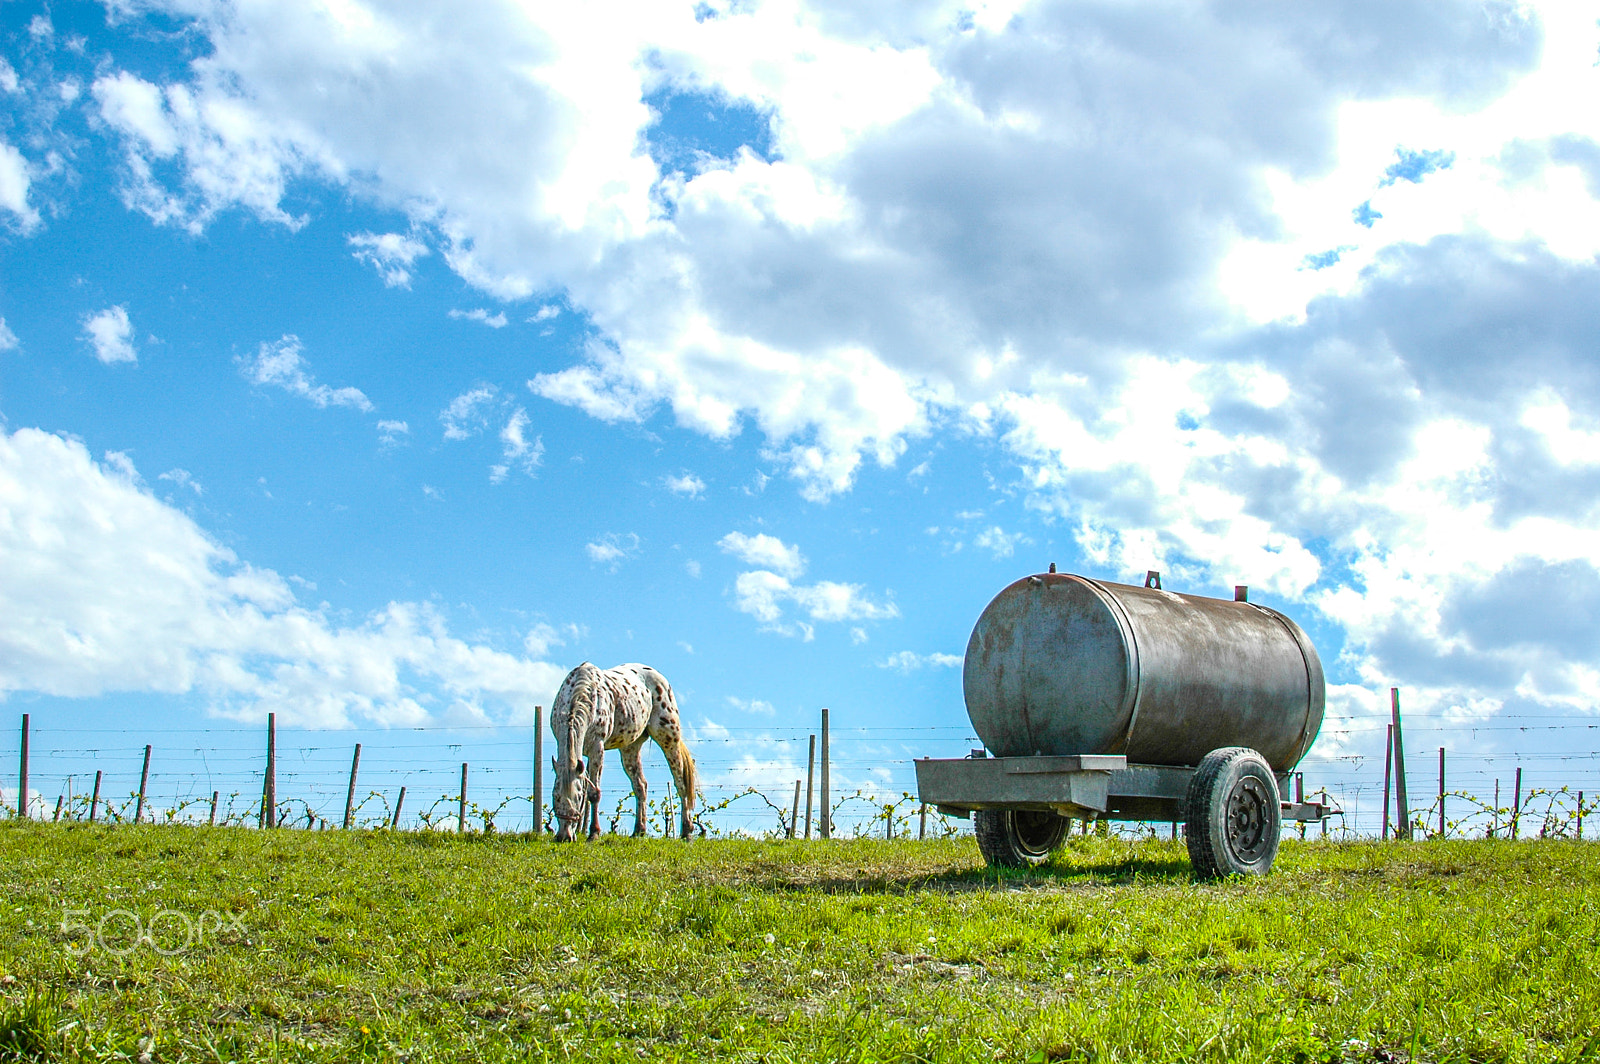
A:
1300, 797
22, 774
350, 795
1403, 828
1388, 774
794, 814
94, 803
1580, 815
1441, 793
1494, 822
59, 799
1516, 811
538, 770
394, 825
269, 782
827, 819
144, 778
811, 761
922, 822
461, 809
213, 821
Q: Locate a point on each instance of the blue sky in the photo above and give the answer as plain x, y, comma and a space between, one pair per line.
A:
376, 368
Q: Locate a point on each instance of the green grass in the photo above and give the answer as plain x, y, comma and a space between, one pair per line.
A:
425, 946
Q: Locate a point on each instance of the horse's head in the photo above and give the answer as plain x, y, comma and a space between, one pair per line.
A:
570, 715
573, 792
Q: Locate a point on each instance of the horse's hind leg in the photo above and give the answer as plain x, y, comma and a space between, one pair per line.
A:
632, 765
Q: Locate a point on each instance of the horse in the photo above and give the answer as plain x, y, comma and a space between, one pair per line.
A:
614, 709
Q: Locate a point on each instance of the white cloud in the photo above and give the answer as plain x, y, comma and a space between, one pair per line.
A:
1198, 354
692, 567
182, 479
516, 450
392, 433
754, 705
391, 254
763, 595
14, 184
612, 549
110, 333
768, 552
8, 78
685, 484
998, 542
908, 661
467, 414
544, 313
280, 365
543, 636
8, 339
110, 589
496, 320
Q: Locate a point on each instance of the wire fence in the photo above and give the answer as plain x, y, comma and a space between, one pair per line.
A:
749, 777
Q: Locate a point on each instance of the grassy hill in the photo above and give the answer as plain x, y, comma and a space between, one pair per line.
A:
292, 945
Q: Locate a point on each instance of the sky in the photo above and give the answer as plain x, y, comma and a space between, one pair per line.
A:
373, 364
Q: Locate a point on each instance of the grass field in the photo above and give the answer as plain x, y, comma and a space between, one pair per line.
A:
291, 945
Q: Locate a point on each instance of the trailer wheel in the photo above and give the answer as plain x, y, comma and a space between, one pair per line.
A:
1017, 838
1233, 820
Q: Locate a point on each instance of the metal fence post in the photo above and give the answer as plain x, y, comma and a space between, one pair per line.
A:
827, 819
538, 770
22, 774
1403, 828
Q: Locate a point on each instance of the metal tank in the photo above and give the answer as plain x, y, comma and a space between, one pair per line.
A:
1061, 664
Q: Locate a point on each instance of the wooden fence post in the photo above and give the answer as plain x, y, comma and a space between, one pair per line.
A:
350, 795
394, 825
461, 809
1516, 803
1388, 774
59, 799
1580, 814
269, 781
213, 821
538, 770
22, 774
922, 822
1403, 828
794, 814
1441, 793
811, 761
94, 803
827, 820
144, 779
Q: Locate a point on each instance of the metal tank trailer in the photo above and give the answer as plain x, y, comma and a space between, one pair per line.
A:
1107, 701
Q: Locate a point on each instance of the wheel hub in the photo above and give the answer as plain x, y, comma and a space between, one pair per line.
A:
1249, 820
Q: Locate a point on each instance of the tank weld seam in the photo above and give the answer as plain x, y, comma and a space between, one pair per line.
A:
1130, 701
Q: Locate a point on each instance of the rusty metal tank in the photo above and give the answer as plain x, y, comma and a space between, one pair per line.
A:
1061, 664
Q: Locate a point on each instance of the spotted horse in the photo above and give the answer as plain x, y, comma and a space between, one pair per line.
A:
614, 709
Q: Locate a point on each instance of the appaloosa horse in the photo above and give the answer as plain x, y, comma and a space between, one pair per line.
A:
614, 709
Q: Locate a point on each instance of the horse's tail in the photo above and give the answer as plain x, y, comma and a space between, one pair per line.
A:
691, 776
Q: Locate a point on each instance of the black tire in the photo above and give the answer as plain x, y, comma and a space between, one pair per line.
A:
1018, 838
1233, 819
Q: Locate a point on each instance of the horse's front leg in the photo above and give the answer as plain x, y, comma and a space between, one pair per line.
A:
634, 767
597, 761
